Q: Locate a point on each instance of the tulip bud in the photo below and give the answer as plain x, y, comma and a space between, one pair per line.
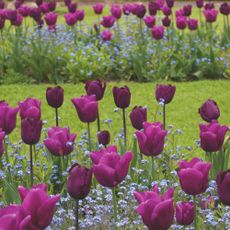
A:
170, 3
210, 15
185, 213
209, 110
103, 137
223, 186
80, 14
199, 3
181, 22
225, 8
72, 7
55, 96
153, 8
138, 116
149, 21
98, 8
108, 21
70, 19
116, 11
166, 21
139, 10
166, 10
187, 10
96, 87
165, 93
121, 96
192, 24
51, 20
79, 182
158, 32
31, 130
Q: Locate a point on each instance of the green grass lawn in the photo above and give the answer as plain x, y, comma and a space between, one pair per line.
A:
181, 112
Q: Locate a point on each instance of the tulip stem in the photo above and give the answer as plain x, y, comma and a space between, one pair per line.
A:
195, 210
56, 112
114, 207
98, 123
124, 127
164, 117
31, 166
89, 136
6, 140
77, 215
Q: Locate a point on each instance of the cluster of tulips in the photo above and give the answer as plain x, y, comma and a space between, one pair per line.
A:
108, 166
45, 12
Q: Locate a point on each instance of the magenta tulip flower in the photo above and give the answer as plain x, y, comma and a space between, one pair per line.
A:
157, 211
31, 130
72, 7
30, 108
108, 21
116, 11
60, 141
138, 116
55, 96
2, 5
170, 3
2, 136
15, 217
181, 22
166, 10
151, 139
79, 181
106, 35
209, 110
199, 3
153, 7
122, 96
103, 137
158, 32
223, 186
127, 8
98, 8
165, 93
67, 2
149, 21
187, 10
44, 7
51, 20
192, 24
86, 107
139, 10
212, 136
185, 213
38, 204
70, 19
210, 15
96, 87
109, 167
24, 11
209, 6
8, 117
193, 176
166, 21
18, 21
52, 5
225, 8
80, 14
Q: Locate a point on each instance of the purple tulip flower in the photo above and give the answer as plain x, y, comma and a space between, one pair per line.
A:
199, 3
209, 110
98, 8
185, 213
158, 32
170, 3
187, 10
127, 8
138, 116
165, 93
166, 21
116, 11
225, 8
139, 10
108, 21
72, 7
153, 8
96, 87
149, 21
181, 22
210, 15
122, 97
80, 14
55, 96
51, 20
70, 19
103, 137
52, 5
192, 24
209, 6
166, 10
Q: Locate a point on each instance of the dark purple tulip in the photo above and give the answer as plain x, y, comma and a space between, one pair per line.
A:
225, 8
138, 116
55, 96
212, 136
166, 10
127, 8
166, 21
193, 176
2, 135
60, 141
24, 11
70, 19
67, 2
185, 213
79, 181
30, 108
210, 15
31, 130
181, 22
80, 14
140, 10
87, 108
151, 139
18, 21
103, 137
98, 8
180, 13
52, 6
108, 21
149, 21
192, 24
187, 10
35, 13
199, 3
158, 32
223, 186
44, 7
51, 20
209, 6
96, 87
15, 217
72, 7
2, 4
121, 96
39, 205
116, 11
11, 15
39, 2
109, 167
106, 35
17, 4
157, 211
153, 8
209, 110
8, 118
170, 3
165, 93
